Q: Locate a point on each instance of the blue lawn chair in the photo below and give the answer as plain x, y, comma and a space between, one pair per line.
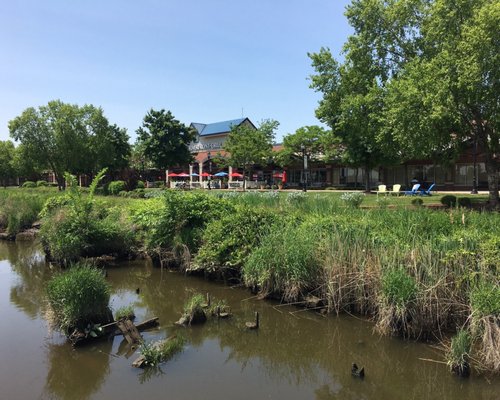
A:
427, 192
414, 190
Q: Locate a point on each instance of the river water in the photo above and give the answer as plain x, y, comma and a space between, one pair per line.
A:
295, 354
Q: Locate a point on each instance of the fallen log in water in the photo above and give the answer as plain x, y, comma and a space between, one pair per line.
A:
79, 338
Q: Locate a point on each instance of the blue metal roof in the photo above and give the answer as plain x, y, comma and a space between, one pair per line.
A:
217, 127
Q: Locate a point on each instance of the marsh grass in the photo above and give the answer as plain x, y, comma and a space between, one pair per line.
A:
79, 296
163, 350
125, 312
485, 321
458, 354
20, 208
286, 263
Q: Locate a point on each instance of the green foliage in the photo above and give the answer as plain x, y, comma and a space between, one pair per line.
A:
115, 187
417, 201
178, 217
140, 185
398, 288
490, 252
19, 209
449, 200
485, 299
29, 185
227, 242
194, 304
77, 226
314, 139
248, 146
124, 312
68, 138
286, 263
164, 350
460, 348
42, 183
164, 140
78, 296
8, 168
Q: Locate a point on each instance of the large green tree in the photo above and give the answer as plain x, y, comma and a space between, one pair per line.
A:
421, 79
248, 146
164, 140
7, 161
449, 95
313, 139
67, 138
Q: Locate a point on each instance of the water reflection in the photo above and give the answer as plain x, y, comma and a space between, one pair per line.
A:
76, 373
28, 262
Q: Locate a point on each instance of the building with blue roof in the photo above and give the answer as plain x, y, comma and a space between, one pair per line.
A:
211, 137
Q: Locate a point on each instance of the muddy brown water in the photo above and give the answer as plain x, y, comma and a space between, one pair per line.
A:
295, 354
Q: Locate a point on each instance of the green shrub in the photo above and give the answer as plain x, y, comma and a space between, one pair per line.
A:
115, 187
159, 184
78, 297
29, 184
464, 202
398, 288
140, 185
178, 217
228, 241
78, 227
42, 183
417, 201
449, 200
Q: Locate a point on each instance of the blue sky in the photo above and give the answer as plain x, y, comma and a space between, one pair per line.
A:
205, 61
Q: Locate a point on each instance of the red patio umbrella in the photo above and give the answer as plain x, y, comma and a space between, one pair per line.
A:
236, 175
205, 174
183, 175
173, 174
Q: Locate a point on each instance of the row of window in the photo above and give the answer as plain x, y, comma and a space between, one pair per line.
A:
458, 174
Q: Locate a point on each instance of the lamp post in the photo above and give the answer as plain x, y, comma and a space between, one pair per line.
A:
474, 183
209, 157
304, 169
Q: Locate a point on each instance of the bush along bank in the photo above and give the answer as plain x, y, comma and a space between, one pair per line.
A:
75, 225
418, 273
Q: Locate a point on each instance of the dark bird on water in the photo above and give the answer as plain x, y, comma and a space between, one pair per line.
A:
253, 325
357, 372
138, 290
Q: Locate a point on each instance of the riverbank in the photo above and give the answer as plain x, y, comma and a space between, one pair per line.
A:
419, 273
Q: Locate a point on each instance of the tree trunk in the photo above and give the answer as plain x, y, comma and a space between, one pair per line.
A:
492, 171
